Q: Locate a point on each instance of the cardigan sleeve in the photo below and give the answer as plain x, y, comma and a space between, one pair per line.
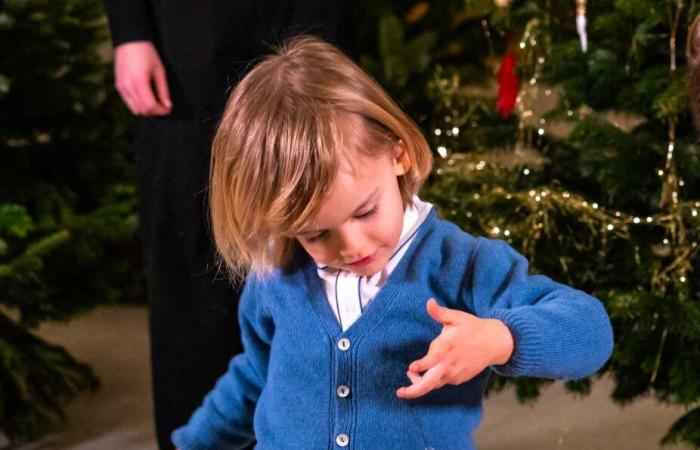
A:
559, 332
130, 20
225, 419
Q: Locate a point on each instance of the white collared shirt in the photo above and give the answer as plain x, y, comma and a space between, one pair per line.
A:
350, 294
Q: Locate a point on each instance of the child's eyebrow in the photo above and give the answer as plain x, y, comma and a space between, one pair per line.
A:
369, 199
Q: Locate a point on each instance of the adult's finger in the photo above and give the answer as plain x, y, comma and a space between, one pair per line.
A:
128, 97
147, 99
162, 90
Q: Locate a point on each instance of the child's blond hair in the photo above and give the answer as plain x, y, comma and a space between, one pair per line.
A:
281, 140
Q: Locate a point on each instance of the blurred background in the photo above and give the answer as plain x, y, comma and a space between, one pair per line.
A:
560, 126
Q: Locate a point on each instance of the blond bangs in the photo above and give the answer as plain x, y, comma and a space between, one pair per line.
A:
281, 140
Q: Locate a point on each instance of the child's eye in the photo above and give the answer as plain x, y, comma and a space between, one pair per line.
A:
322, 235
367, 214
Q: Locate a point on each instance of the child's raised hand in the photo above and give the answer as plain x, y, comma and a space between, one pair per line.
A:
464, 348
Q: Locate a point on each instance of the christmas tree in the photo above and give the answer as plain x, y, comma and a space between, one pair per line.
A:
67, 219
563, 127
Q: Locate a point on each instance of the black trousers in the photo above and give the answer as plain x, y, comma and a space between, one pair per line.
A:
192, 310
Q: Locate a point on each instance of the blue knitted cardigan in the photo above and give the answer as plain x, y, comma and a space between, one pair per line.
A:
283, 391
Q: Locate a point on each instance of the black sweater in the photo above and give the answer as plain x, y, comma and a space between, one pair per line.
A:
206, 45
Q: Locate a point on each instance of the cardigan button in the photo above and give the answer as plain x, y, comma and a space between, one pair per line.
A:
342, 391
344, 344
342, 440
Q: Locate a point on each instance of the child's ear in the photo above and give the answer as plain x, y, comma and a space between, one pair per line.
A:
402, 162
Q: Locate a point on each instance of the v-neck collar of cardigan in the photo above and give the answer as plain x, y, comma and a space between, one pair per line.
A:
350, 294
384, 300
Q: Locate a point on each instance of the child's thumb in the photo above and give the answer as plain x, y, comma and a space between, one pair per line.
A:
439, 313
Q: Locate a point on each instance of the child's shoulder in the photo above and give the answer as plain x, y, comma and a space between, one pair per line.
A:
452, 242
451, 237
275, 279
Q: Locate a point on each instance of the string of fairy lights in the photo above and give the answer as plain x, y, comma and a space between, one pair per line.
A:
672, 209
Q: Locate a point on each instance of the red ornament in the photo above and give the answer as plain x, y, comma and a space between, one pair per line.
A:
508, 85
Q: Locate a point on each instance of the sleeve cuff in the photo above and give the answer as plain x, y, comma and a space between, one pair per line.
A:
527, 357
130, 21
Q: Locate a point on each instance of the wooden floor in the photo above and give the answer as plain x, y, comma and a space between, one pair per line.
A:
114, 340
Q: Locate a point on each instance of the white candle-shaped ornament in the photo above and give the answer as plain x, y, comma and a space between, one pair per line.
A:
581, 24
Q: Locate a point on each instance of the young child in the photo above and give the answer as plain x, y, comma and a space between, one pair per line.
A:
313, 188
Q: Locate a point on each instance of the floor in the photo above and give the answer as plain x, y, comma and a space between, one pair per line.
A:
114, 340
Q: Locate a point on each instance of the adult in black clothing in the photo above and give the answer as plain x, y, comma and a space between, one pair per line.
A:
174, 61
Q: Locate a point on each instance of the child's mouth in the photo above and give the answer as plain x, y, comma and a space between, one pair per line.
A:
362, 262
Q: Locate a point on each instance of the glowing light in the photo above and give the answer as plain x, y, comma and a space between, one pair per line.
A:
540, 131
610, 227
526, 171
636, 220
649, 219
438, 131
442, 151
595, 206
660, 172
522, 45
495, 230
665, 241
682, 279
455, 131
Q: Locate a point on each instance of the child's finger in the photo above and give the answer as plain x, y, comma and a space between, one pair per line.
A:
432, 379
435, 354
446, 316
413, 376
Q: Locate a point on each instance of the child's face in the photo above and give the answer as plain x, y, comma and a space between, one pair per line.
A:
359, 223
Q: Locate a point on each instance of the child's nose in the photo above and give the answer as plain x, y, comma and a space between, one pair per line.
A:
350, 245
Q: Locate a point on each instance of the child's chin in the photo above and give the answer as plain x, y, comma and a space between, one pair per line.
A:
366, 271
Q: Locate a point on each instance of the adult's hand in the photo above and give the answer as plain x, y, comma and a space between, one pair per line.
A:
140, 79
